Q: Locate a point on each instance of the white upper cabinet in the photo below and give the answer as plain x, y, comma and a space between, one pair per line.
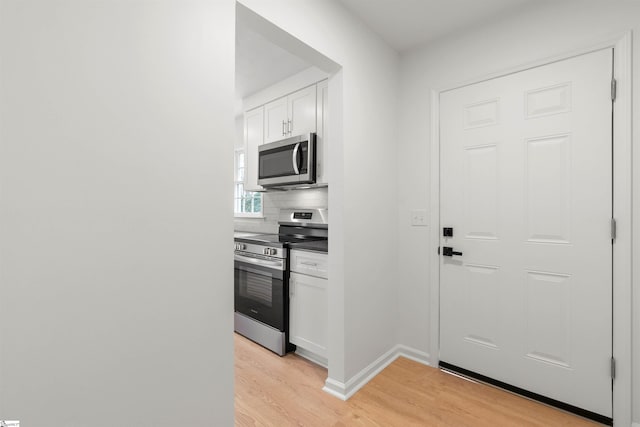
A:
291, 115
271, 115
276, 120
253, 136
302, 111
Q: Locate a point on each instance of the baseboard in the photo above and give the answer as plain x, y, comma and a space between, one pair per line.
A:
345, 390
335, 388
413, 354
318, 360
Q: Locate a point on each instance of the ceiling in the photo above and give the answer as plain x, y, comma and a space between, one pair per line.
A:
403, 24
260, 63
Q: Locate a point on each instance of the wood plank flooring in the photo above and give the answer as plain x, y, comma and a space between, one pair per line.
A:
287, 391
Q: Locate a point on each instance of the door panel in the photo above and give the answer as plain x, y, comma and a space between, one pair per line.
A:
308, 313
302, 111
526, 184
275, 120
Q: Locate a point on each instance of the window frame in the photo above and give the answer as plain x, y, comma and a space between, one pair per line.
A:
236, 182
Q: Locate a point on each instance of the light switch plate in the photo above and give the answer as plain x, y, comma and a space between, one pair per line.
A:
419, 217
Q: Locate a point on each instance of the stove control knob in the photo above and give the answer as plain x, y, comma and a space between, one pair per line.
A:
273, 251
265, 251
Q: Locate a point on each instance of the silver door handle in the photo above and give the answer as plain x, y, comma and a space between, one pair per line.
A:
283, 123
294, 159
291, 288
289, 127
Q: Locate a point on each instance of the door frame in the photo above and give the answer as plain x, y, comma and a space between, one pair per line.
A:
622, 211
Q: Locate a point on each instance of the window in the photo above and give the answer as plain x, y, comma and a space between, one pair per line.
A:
246, 203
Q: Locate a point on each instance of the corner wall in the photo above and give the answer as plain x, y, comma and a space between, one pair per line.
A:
540, 31
116, 130
363, 170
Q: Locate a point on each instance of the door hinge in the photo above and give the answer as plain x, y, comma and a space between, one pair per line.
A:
613, 368
613, 229
614, 88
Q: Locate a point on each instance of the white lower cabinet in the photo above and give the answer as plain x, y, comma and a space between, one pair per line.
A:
308, 312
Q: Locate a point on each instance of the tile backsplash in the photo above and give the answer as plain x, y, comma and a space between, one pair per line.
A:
273, 201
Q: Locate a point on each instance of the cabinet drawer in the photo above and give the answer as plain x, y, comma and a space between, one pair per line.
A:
310, 263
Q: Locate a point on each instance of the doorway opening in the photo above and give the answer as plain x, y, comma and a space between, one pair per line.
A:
271, 64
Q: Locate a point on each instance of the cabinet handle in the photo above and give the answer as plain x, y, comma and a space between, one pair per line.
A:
289, 127
283, 123
312, 264
291, 288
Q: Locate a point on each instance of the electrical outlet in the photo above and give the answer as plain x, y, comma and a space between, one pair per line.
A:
419, 217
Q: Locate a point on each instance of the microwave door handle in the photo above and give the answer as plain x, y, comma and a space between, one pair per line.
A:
294, 159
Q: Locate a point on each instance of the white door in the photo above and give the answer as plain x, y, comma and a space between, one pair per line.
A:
526, 186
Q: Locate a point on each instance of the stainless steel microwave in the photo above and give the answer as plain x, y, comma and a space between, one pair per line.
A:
288, 162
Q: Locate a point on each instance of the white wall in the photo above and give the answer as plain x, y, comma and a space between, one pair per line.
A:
363, 168
543, 30
115, 271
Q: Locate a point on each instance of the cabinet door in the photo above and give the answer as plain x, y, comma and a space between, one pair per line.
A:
253, 136
275, 120
322, 147
302, 111
308, 313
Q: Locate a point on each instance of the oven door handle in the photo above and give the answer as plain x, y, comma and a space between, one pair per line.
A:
276, 265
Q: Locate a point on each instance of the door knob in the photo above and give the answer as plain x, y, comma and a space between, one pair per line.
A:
447, 251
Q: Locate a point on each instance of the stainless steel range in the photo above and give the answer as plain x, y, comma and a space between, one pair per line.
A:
261, 282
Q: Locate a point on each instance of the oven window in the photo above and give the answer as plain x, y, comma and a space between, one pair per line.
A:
257, 288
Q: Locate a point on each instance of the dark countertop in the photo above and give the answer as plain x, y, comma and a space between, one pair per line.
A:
315, 246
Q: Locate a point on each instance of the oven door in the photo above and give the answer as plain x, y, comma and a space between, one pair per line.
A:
287, 162
260, 289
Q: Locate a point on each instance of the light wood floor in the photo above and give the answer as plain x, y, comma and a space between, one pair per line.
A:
287, 391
